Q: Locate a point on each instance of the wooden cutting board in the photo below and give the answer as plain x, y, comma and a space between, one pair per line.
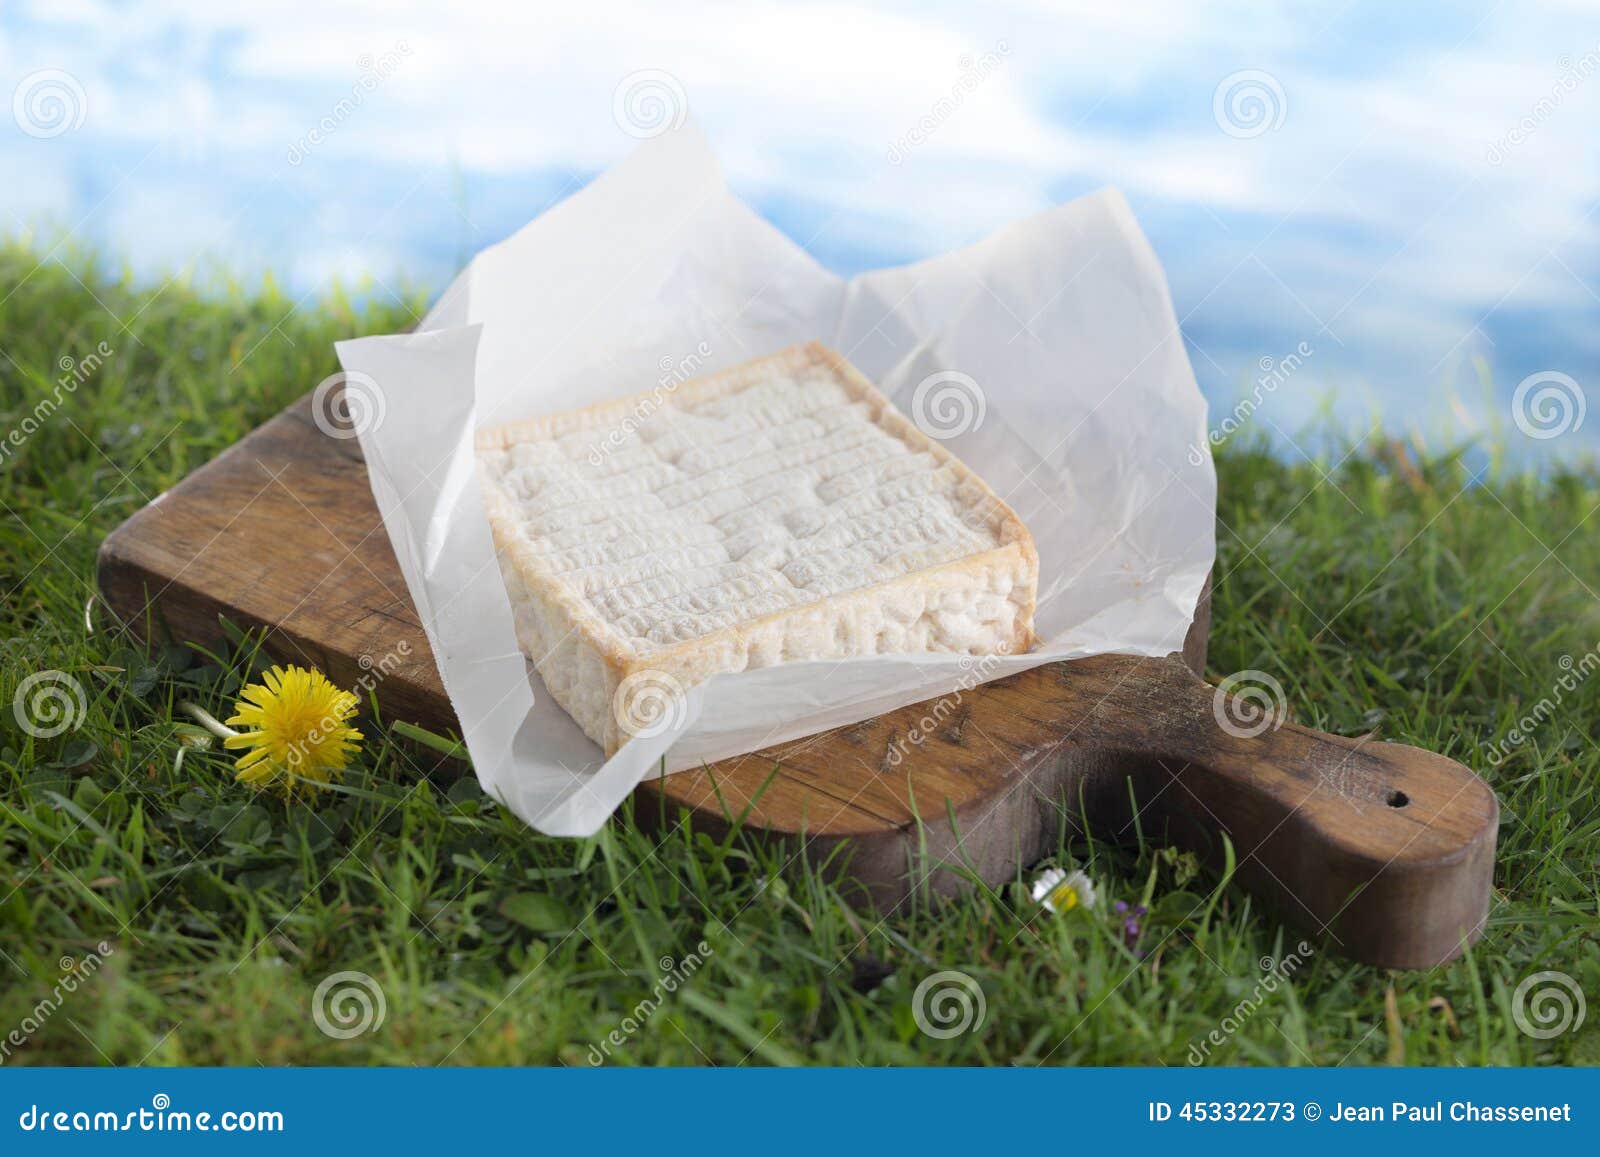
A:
1383, 852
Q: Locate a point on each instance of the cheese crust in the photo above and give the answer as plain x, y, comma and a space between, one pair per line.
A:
781, 511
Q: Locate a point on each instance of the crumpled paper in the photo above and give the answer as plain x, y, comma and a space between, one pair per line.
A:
1048, 357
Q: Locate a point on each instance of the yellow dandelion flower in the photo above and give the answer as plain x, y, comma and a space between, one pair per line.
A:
297, 730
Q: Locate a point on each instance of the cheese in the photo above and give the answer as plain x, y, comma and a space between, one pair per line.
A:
778, 512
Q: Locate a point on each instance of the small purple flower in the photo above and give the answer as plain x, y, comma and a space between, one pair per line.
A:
1130, 922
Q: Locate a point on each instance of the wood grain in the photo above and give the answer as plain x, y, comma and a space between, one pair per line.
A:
1383, 852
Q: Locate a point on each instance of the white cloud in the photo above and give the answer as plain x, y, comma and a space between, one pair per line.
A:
505, 87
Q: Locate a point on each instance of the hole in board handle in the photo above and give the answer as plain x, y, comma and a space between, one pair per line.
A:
1397, 799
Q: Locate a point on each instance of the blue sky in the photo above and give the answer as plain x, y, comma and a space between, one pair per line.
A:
1410, 191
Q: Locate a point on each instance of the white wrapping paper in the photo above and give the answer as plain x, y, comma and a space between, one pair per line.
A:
1048, 356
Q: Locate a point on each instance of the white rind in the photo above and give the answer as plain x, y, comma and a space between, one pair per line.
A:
780, 512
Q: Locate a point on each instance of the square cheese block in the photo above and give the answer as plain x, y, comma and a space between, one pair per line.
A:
779, 512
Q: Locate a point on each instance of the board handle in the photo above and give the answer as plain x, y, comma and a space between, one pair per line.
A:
1385, 852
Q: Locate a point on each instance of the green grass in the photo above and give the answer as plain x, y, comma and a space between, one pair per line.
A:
1387, 594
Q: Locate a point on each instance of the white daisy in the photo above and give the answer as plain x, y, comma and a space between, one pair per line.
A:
1060, 891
